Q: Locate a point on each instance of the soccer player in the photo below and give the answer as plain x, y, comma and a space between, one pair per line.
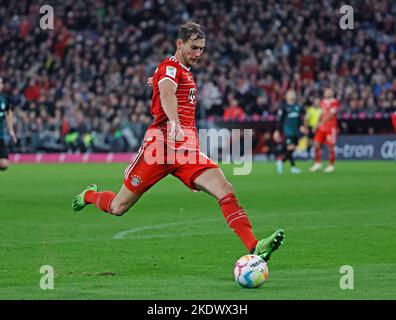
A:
326, 132
290, 122
311, 121
6, 120
173, 131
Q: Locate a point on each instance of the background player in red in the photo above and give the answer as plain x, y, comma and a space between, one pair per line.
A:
393, 117
173, 132
326, 132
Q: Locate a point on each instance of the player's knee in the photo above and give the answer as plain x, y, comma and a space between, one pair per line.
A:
118, 211
227, 187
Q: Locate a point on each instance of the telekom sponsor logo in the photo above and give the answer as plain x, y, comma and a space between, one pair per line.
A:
71, 158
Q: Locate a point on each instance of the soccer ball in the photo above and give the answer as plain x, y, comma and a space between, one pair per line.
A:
250, 271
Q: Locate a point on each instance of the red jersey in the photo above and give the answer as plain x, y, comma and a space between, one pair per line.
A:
393, 116
328, 105
186, 94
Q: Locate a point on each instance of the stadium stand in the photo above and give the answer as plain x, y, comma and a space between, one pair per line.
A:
82, 86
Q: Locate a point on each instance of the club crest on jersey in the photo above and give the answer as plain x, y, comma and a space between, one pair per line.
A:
191, 95
136, 180
171, 72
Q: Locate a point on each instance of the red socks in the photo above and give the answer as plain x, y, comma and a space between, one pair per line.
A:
101, 200
317, 154
331, 155
238, 221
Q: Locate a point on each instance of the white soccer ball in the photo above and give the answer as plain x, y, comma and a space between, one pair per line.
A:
250, 271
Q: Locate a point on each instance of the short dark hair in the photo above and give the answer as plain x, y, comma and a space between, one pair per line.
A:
190, 30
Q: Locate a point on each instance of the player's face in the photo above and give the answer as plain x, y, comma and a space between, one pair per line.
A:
192, 51
291, 97
328, 93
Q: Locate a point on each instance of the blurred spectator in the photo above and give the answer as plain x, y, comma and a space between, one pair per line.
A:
234, 111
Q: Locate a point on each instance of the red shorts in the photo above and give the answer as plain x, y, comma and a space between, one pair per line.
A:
148, 167
326, 137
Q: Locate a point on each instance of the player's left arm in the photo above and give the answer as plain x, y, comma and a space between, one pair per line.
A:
10, 125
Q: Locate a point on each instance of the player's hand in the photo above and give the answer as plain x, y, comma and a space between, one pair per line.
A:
150, 82
175, 131
179, 135
304, 130
277, 137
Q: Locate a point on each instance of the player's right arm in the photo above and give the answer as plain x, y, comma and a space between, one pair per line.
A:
167, 89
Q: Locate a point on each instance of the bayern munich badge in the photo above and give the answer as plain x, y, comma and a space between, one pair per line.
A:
136, 180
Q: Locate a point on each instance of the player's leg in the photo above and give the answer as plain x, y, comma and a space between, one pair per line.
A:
108, 201
123, 201
293, 169
330, 141
317, 145
330, 167
290, 148
289, 154
310, 140
139, 176
280, 154
214, 182
4, 162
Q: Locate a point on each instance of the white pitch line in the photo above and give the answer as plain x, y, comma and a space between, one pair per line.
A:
174, 235
120, 235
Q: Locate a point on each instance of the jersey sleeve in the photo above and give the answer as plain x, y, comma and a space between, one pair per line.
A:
169, 71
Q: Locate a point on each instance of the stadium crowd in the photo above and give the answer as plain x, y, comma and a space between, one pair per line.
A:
82, 86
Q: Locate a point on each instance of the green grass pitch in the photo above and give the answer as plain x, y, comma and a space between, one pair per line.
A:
175, 244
